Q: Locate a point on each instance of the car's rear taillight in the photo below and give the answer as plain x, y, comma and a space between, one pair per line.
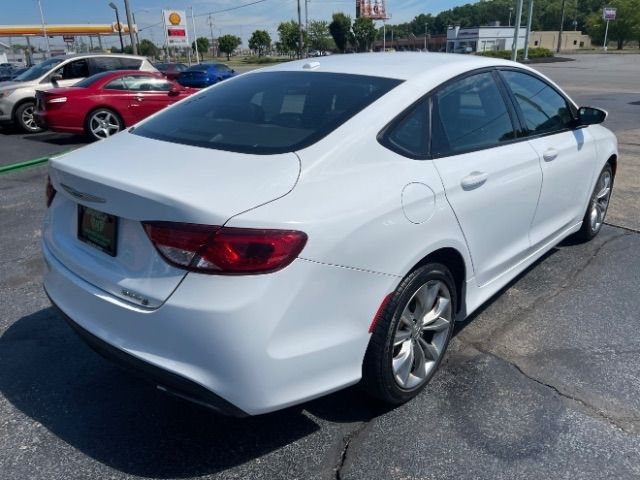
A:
50, 192
225, 250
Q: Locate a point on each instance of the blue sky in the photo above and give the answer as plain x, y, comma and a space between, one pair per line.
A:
265, 15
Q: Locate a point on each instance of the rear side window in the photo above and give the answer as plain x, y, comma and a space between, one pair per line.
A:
117, 84
543, 108
105, 64
470, 114
409, 135
147, 84
268, 112
130, 63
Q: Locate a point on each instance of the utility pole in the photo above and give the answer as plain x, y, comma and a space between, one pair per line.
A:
44, 29
195, 36
130, 22
210, 22
526, 40
133, 14
561, 27
301, 46
516, 31
306, 15
425, 36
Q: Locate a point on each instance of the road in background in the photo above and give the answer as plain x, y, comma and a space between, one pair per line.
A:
611, 82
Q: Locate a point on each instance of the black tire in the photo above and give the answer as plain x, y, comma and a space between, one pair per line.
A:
23, 117
115, 119
378, 378
588, 231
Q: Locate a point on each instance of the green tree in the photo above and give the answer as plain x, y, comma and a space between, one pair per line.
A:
289, 33
203, 45
319, 36
228, 43
340, 29
260, 41
364, 33
148, 48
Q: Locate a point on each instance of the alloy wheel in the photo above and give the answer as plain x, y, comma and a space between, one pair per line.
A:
103, 124
27, 118
600, 201
421, 334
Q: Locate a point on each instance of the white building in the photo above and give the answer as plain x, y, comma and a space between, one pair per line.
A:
482, 39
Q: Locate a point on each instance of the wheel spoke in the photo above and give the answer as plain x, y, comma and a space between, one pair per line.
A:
401, 336
437, 325
430, 351
420, 362
440, 308
603, 193
403, 362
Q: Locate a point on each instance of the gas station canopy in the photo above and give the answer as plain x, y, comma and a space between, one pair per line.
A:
52, 30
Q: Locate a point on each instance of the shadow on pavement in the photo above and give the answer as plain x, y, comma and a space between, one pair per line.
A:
61, 139
53, 377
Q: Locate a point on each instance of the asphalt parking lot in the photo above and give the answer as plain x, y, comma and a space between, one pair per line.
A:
543, 382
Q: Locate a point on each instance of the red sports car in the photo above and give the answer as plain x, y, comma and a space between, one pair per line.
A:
107, 102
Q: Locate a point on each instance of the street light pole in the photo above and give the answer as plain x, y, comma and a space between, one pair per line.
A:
516, 32
130, 23
300, 31
425, 36
526, 40
195, 36
561, 27
119, 26
44, 29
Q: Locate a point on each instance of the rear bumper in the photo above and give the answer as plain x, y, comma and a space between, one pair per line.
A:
164, 380
240, 345
46, 121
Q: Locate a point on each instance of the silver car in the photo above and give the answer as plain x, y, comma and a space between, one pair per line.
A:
18, 97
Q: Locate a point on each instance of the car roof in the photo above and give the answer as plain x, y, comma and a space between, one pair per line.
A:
398, 65
92, 55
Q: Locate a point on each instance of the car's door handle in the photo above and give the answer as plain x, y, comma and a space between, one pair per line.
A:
139, 99
474, 180
550, 154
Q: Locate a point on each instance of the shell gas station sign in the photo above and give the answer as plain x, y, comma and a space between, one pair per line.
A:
175, 24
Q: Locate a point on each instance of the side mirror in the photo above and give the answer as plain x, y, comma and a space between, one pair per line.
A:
591, 116
54, 79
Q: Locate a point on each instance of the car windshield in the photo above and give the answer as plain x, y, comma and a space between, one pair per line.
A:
37, 70
268, 112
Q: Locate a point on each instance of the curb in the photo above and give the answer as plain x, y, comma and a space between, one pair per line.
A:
21, 165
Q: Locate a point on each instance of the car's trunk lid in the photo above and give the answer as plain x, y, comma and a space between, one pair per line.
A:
137, 179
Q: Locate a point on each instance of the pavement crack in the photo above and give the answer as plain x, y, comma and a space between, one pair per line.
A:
348, 440
625, 424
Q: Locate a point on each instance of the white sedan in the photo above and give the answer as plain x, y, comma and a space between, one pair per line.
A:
320, 223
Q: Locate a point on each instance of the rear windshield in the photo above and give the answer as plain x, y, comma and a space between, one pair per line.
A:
268, 112
199, 68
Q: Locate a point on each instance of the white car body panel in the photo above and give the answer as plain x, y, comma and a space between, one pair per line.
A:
371, 215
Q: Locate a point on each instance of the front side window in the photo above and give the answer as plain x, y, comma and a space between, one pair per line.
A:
75, 69
409, 136
470, 114
268, 112
543, 108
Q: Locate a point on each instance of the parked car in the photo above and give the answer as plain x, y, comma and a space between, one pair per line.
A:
205, 74
317, 224
171, 70
105, 103
6, 73
18, 96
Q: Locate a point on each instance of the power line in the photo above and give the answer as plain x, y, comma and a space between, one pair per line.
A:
212, 12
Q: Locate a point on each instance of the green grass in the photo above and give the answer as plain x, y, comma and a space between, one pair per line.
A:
536, 52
